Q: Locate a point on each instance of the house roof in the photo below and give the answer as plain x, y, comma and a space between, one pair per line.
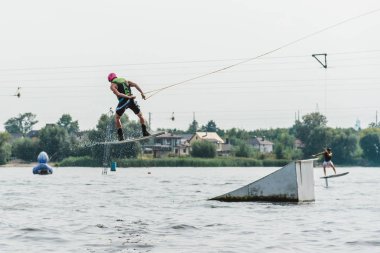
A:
208, 136
186, 137
262, 141
158, 147
168, 136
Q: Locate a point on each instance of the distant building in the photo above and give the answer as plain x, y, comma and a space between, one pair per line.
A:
185, 144
298, 144
168, 144
157, 150
32, 134
185, 138
210, 137
226, 150
261, 144
83, 136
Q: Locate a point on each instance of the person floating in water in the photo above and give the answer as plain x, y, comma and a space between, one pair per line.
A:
122, 89
327, 155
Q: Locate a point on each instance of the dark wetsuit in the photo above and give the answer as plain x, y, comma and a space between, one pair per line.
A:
124, 103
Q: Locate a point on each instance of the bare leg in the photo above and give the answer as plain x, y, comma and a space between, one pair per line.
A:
324, 169
142, 120
119, 129
333, 167
143, 126
117, 121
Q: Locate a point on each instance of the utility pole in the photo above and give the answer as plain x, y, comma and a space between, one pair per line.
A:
150, 120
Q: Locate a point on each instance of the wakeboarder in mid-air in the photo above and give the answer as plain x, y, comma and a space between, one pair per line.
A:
122, 89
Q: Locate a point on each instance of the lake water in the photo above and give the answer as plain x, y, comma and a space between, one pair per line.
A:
81, 210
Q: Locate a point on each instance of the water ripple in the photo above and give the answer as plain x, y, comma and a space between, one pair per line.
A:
168, 211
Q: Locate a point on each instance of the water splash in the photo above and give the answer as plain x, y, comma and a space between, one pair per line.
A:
107, 147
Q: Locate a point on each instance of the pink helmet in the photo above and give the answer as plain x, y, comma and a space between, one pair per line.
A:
111, 76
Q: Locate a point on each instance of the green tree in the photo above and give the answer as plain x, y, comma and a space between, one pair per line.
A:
106, 123
313, 133
279, 151
309, 122
295, 154
286, 139
106, 130
55, 141
66, 122
5, 147
344, 143
26, 149
209, 127
283, 144
320, 138
243, 150
203, 149
193, 127
274, 134
370, 144
21, 124
235, 135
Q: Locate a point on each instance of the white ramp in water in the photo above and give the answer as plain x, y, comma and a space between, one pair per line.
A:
293, 182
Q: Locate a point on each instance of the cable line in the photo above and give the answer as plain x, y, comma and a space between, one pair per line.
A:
183, 62
219, 83
154, 92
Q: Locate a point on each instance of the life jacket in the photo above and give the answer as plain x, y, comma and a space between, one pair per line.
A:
122, 86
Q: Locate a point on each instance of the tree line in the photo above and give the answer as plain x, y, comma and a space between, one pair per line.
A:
306, 137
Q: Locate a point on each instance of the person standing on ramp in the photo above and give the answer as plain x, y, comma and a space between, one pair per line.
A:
122, 89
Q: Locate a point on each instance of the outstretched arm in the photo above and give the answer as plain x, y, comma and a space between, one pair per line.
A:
318, 154
132, 84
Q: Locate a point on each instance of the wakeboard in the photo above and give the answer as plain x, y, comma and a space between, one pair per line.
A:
337, 175
142, 138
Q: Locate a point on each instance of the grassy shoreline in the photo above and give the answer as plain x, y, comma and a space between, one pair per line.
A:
86, 161
19, 163
175, 162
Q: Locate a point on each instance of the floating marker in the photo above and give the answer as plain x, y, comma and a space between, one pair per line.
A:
113, 166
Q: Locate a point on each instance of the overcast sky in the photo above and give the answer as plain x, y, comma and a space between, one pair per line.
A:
60, 53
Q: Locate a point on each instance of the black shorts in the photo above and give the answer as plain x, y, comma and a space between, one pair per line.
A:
125, 104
